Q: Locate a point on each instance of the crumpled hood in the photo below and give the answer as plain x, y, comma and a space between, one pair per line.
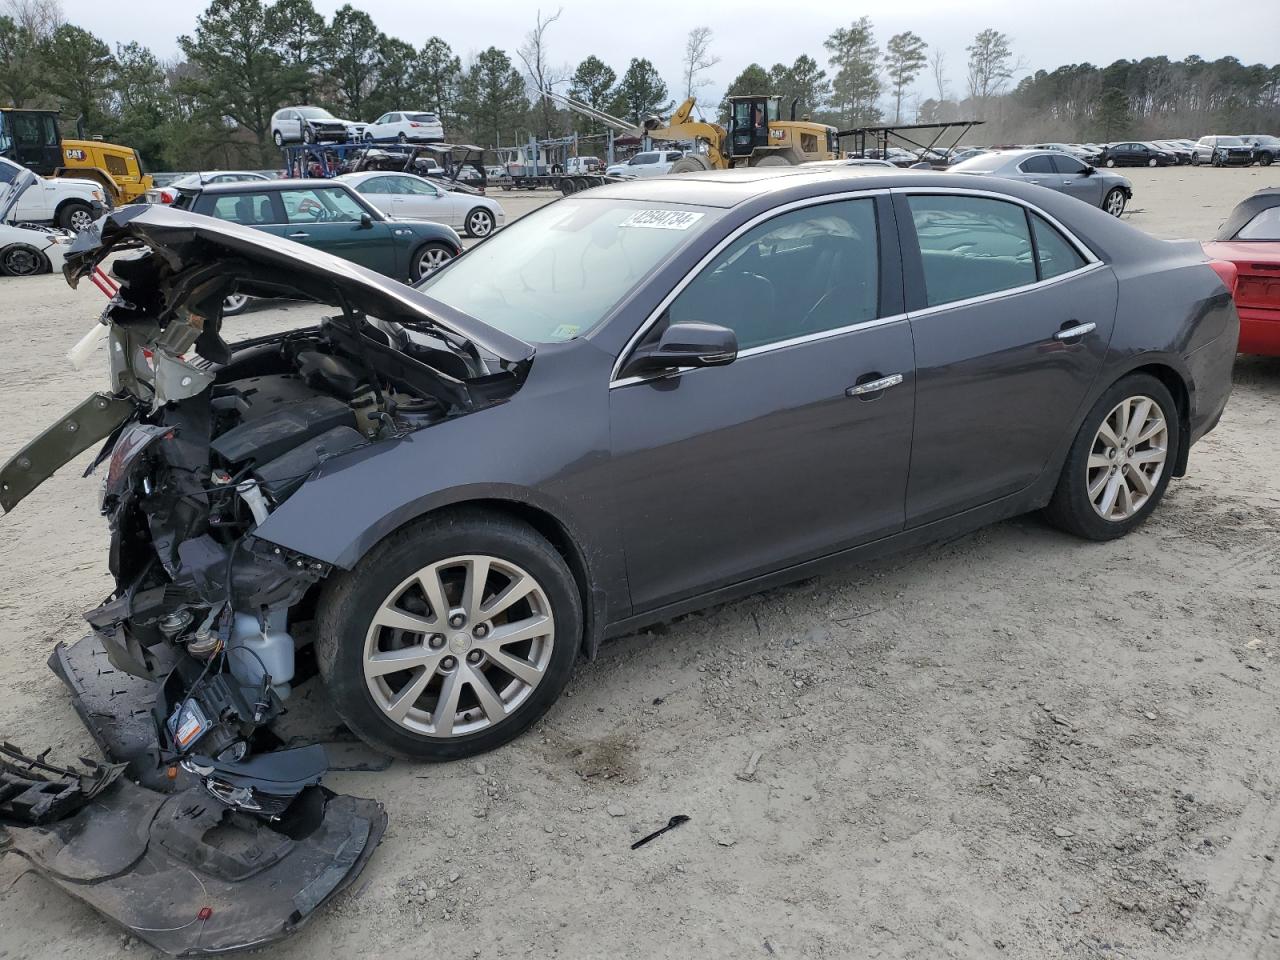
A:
271, 266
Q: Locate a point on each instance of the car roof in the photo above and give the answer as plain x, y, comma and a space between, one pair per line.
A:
257, 186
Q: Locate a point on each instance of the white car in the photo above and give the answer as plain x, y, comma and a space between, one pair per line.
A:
410, 197
651, 163
312, 125
171, 192
27, 250
406, 126
68, 202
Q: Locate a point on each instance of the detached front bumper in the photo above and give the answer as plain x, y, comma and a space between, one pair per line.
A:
160, 855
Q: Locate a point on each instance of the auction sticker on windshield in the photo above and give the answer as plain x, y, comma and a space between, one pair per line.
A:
662, 219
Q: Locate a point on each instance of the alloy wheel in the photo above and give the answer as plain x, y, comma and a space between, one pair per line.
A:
480, 223
459, 646
1127, 458
433, 259
1115, 203
234, 303
80, 219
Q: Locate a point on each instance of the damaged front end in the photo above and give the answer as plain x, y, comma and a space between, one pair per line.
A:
194, 656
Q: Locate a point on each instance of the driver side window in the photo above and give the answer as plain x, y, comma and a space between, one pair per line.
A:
803, 272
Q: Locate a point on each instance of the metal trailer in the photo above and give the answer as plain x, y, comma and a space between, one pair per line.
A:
882, 138
331, 159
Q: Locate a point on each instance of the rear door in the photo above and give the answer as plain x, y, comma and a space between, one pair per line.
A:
1038, 169
1011, 319
727, 473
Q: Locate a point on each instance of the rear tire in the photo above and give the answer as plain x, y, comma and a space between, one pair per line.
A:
479, 223
1095, 464
446, 550
772, 160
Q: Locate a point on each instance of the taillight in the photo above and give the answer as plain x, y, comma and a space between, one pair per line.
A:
167, 196
1226, 271
415, 124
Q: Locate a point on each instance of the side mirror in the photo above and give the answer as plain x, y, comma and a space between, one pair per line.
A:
1089, 171
688, 344
366, 222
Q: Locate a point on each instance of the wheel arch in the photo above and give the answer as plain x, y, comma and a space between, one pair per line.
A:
1178, 384
65, 201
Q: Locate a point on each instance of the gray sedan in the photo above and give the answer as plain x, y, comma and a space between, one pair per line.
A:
632, 403
1057, 171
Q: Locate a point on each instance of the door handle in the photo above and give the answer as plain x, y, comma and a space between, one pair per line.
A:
1076, 332
299, 235
869, 387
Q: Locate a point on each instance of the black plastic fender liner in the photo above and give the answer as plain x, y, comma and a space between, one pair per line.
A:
190, 877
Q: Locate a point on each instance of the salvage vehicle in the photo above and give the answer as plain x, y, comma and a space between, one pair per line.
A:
404, 195
628, 405
62, 201
1222, 152
27, 249
1250, 239
328, 215
1056, 171
312, 125
1266, 149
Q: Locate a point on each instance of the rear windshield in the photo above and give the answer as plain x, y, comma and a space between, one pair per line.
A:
1230, 142
315, 113
556, 274
423, 117
983, 161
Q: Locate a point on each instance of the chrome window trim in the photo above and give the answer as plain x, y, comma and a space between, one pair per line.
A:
714, 252
1001, 294
1075, 241
1092, 262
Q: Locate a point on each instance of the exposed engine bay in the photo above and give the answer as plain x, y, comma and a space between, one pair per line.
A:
203, 440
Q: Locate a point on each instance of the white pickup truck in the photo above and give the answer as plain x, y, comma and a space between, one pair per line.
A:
70, 203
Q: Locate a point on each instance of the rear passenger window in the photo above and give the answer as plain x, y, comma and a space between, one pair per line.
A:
971, 246
1037, 164
251, 209
1055, 253
803, 272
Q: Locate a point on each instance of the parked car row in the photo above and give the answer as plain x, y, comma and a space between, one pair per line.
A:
308, 124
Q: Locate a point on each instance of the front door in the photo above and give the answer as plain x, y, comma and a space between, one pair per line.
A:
1078, 180
785, 454
330, 219
1009, 336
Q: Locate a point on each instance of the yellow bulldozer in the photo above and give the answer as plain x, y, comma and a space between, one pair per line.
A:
33, 138
757, 136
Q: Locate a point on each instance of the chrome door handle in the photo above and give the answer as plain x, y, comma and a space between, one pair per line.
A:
874, 386
299, 235
1073, 333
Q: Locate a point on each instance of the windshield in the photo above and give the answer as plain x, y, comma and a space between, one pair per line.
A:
556, 273
1230, 142
315, 113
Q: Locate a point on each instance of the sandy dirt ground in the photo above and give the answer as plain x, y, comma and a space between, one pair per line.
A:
1015, 744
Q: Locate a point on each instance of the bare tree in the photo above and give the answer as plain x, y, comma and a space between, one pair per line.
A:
697, 59
533, 54
938, 67
37, 17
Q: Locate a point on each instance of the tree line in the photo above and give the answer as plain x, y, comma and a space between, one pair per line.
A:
244, 59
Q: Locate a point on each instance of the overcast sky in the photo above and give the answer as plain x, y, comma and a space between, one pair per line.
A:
1045, 35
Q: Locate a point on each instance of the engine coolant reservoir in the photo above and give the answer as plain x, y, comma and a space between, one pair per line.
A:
251, 650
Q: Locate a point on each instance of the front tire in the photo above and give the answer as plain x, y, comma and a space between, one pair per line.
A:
75, 216
1265, 159
278, 137
429, 258
1111, 161
1115, 202
480, 223
451, 637
1120, 462
21, 260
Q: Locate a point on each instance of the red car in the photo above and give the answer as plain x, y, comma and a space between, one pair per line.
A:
1250, 239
